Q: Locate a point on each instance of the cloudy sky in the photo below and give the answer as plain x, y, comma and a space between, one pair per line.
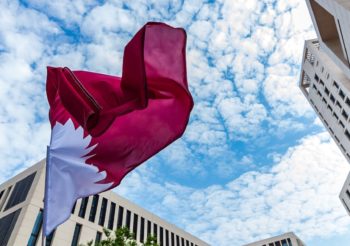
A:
254, 161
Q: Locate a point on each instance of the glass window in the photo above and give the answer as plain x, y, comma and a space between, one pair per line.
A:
83, 206
76, 235
182, 241
120, 217
73, 208
347, 101
166, 237
316, 77
332, 98
348, 193
49, 238
155, 230
347, 134
20, 191
341, 94
172, 239
148, 227
177, 240
36, 229
98, 237
161, 236
335, 84
345, 115
101, 220
277, 243
128, 218
290, 242
326, 91
284, 242
1, 193
142, 233
7, 224
93, 209
134, 228
111, 216
187, 243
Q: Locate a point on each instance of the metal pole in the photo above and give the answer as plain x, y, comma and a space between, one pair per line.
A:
43, 239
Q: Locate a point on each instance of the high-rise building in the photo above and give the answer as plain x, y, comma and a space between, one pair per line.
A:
325, 74
345, 195
21, 216
286, 239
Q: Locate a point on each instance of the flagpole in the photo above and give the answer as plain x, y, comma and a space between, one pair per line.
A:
43, 241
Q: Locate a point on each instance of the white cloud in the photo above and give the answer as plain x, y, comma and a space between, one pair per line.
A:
299, 193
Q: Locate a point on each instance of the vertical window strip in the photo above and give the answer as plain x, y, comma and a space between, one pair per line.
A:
120, 217
128, 218
111, 216
36, 229
135, 223
93, 209
83, 206
142, 232
101, 220
76, 235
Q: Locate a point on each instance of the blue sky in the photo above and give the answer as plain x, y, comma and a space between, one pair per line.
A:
254, 161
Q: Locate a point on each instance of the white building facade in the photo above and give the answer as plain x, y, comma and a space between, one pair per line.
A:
325, 75
286, 239
21, 215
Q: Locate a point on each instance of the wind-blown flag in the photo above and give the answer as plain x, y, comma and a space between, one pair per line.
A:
104, 126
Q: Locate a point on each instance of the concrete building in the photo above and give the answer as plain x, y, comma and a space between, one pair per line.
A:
21, 203
345, 195
325, 75
287, 239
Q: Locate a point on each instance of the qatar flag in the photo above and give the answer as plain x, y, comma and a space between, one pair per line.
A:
104, 126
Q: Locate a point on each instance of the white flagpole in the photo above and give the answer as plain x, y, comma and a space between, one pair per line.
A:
43, 241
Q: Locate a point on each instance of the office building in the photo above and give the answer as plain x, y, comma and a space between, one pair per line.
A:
325, 74
287, 239
21, 213
345, 195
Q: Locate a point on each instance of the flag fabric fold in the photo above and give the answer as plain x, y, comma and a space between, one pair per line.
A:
104, 126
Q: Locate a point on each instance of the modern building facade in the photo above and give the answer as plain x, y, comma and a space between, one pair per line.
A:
345, 194
21, 213
287, 239
325, 75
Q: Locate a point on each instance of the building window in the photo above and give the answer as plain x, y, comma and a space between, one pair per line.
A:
345, 115
161, 236
128, 218
98, 237
1, 193
177, 240
335, 115
332, 98
347, 134
182, 241
93, 208
7, 224
338, 104
76, 235
341, 123
142, 232
341, 94
324, 100
321, 82
330, 108
120, 217
317, 78
172, 239
342, 147
284, 242
134, 227
319, 93
83, 206
166, 237
148, 227
36, 229
271, 244
277, 243
49, 238
101, 220
20, 191
187, 243
347, 101
5, 197
314, 86
348, 193
111, 216
335, 84
326, 91
73, 208
155, 230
